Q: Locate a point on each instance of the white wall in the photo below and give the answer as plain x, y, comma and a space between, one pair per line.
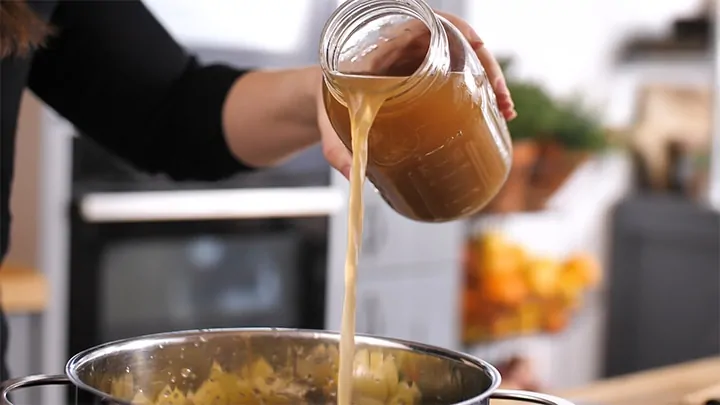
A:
268, 25
569, 44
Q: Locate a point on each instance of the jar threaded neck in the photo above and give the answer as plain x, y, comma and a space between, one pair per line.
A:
352, 15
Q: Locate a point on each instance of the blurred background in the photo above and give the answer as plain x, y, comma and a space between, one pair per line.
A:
599, 258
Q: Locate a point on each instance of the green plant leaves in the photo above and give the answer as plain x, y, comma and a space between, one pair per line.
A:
542, 117
536, 111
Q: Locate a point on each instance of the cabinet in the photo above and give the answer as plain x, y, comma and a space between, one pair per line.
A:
390, 239
408, 276
423, 308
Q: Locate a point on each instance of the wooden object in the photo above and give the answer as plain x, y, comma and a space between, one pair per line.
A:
512, 196
555, 165
687, 35
701, 397
670, 115
22, 290
663, 386
25, 196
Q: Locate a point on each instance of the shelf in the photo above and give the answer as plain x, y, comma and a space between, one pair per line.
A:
575, 220
583, 198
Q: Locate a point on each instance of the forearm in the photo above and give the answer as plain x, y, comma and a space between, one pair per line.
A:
270, 115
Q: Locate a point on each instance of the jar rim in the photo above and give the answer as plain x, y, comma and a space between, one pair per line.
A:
352, 15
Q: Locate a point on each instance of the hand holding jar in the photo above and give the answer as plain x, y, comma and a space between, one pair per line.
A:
438, 148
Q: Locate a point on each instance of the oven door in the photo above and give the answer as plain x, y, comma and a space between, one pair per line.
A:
136, 271
203, 275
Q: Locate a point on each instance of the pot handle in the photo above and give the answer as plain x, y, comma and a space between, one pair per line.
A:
529, 396
30, 381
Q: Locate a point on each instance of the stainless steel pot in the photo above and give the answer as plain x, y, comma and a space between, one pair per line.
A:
275, 366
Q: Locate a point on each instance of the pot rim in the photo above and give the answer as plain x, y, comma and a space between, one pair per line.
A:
88, 355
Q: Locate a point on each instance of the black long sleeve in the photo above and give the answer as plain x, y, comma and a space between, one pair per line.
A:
114, 72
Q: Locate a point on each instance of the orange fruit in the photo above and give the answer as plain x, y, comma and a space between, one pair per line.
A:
503, 326
472, 303
542, 276
570, 288
498, 263
585, 267
491, 241
556, 321
530, 316
505, 288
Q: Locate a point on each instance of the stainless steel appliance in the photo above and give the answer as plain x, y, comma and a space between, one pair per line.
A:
198, 271
664, 281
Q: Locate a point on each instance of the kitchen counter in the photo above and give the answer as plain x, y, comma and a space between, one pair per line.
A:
663, 386
22, 290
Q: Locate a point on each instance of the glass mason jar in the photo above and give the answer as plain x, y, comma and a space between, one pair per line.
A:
439, 148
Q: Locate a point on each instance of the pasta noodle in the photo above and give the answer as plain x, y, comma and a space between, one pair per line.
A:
312, 379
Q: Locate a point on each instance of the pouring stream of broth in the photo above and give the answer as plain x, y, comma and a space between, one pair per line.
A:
363, 106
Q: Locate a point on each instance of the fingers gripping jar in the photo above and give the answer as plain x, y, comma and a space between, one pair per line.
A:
438, 149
